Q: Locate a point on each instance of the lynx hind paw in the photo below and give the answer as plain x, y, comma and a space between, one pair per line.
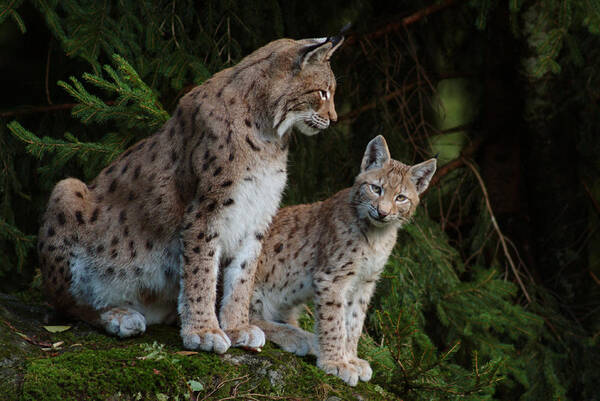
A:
364, 369
247, 337
344, 370
123, 322
297, 342
214, 340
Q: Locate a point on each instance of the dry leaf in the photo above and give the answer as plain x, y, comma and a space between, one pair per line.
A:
57, 329
186, 353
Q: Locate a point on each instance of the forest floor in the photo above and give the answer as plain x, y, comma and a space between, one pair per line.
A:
83, 363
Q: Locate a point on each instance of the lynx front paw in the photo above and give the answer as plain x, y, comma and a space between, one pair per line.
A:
364, 369
344, 370
247, 337
207, 340
123, 322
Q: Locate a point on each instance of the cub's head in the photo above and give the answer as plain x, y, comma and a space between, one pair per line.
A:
302, 85
386, 191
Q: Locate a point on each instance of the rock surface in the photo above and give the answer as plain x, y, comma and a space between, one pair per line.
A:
83, 363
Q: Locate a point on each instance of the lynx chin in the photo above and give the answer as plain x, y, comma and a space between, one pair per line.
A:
147, 239
332, 252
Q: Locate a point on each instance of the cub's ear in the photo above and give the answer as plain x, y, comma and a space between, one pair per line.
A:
320, 51
376, 154
420, 174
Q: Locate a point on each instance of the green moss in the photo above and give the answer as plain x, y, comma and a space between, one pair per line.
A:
151, 370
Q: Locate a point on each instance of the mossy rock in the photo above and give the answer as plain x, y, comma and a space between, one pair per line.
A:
85, 364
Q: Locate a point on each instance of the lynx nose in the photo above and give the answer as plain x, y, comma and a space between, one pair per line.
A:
382, 212
333, 116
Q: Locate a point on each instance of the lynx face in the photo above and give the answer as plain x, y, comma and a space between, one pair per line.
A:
308, 103
388, 190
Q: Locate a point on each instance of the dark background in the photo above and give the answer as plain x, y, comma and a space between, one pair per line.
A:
506, 93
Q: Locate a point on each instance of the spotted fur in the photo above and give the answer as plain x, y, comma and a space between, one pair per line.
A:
148, 238
332, 252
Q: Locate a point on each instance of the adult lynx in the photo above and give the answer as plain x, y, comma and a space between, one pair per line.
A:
333, 252
151, 233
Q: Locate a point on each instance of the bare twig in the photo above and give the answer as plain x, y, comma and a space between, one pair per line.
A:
24, 110
394, 26
497, 228
456, 163
48, 72
399, 92
354, 113
38, 109
592, 199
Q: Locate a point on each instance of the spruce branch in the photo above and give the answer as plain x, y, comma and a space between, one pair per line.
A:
92, 155
22, 242
136, 103
9, 10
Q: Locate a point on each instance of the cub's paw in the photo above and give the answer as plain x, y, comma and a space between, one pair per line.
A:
364, 369
247, 337
344, 370
123, 322
207, 340
298, 342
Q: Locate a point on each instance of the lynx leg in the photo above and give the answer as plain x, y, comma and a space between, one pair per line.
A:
331, 328
238, 281
355, 309
197, 296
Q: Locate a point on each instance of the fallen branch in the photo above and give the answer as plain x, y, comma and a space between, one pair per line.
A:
394, 26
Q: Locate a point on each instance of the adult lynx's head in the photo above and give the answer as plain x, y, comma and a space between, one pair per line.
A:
294, 83
387, 191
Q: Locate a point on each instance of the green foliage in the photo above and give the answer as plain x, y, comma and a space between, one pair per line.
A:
548, 24
9, 185
449, 330
92, 156
136, 104
22, 243
8, 9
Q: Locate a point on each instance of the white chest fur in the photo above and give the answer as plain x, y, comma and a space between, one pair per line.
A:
256, 199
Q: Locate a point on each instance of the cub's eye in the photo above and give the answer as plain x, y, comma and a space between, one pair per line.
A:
401, 198
376, 189
324, 95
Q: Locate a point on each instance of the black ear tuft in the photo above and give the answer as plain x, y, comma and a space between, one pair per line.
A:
340, 36
376, 154
421, 174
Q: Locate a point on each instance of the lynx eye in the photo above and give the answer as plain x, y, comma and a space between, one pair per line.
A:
377, 190
401, 199
324, 95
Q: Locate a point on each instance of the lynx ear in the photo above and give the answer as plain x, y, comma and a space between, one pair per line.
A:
420, 174
321, 51
376, 155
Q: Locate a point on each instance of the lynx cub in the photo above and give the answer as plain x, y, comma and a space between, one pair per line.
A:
149, 236
333, 252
